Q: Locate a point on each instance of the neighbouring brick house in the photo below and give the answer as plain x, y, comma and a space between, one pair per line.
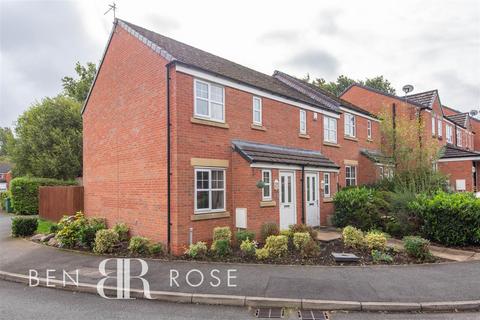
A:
176, 141
5, 176
453, 130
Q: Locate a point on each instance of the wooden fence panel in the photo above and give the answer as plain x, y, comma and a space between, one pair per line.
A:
55, 202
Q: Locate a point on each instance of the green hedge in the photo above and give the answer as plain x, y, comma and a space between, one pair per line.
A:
25, 192
24, 226
359, 207
450, 219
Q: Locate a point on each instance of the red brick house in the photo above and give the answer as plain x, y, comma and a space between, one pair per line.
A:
177, 140
451, 129
5, 176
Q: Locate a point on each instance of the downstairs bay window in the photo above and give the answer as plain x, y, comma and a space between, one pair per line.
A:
209, 190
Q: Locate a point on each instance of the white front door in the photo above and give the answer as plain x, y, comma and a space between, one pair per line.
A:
311, 196
287, 199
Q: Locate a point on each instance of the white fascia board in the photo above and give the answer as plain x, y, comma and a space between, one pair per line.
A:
477, 158
347, 110
290, 167
257, 92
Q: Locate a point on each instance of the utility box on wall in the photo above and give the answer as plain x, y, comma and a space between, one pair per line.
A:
241, 218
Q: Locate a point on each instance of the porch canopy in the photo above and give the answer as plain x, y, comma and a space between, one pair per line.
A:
451, 153
255, 152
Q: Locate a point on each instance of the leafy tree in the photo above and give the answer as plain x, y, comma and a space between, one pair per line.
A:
343, 82
49, 139
78, 88
6, 142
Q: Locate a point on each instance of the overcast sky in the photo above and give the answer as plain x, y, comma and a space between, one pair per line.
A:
429, 44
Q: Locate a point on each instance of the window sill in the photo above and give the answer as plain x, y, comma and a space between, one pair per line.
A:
303, 136
350, 138
208, 216
330, 144
264, 204
209, 123
328, 199
370, 140
258, 127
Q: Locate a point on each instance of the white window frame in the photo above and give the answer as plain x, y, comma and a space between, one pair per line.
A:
208, 100
349, 178
210, 189
328, 122
327, 185
459, 137
433, 125
303, 121
267, 185
382, 172
369, 129
439, 127
259, 123
449, 133
350, 128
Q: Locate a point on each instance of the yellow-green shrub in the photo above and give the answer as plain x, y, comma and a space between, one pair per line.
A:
352, 237
300, 239
248, 247
262, 254
277, 246
222, 233
376, 240
196, 250
105, 241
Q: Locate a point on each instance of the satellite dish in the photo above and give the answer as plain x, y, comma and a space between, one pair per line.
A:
407, 88
473, 113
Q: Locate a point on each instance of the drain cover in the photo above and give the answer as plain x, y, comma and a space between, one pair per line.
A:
312, 315
269, 313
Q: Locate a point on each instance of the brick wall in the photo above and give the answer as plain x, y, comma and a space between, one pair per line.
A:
458, 170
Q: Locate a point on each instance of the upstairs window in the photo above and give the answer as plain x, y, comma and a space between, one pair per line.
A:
329, 129
449, 132
349, 125
209, 190
369, 129
257, 111
350, 176
209, 101
459, 137
267, 189
433, 125
439, 129
303, 122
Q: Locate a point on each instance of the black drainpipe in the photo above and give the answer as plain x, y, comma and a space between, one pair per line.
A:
303, 194
169, 225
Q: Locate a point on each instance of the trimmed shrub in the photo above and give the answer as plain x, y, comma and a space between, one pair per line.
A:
197, 250
353, 237
221, 247
376, 240
54, 228
156, 249
359, 207
68, 235
105, 241
299, 227
248, 247
269, 229
24, 226
300, 239
417, 247
277, 246
25, 192
122, 230
262, 254
310, 249
139, 245
222, 233
450, 219
87, 230
243, 235
380, 256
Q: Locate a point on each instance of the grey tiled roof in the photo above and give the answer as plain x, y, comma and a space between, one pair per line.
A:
318, 94
459, 119
425, 99
376, 156
5, 167
197, 58
454, 152
270, 153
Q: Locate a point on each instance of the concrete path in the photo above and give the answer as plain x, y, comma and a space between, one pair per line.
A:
412, 283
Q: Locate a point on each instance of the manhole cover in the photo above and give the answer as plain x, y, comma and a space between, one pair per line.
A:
345, 257
269, 313
312, 315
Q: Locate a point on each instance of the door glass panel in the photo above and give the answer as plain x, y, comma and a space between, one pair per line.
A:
308, 188
282, 188
314, 192
289, 187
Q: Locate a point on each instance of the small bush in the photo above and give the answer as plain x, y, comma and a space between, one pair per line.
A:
243, 235
277, 246
24, 226
68, 235
359, 207
54, 228
310, 249
197, 250
417, 247
294, 228
24, 192
156, 249
105, 241
222, 233
248, 247
262, 254
352, 237
221, 247
122, 230
139, 245
380, 256
376, 240
269, 229
87, 230
300, 239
